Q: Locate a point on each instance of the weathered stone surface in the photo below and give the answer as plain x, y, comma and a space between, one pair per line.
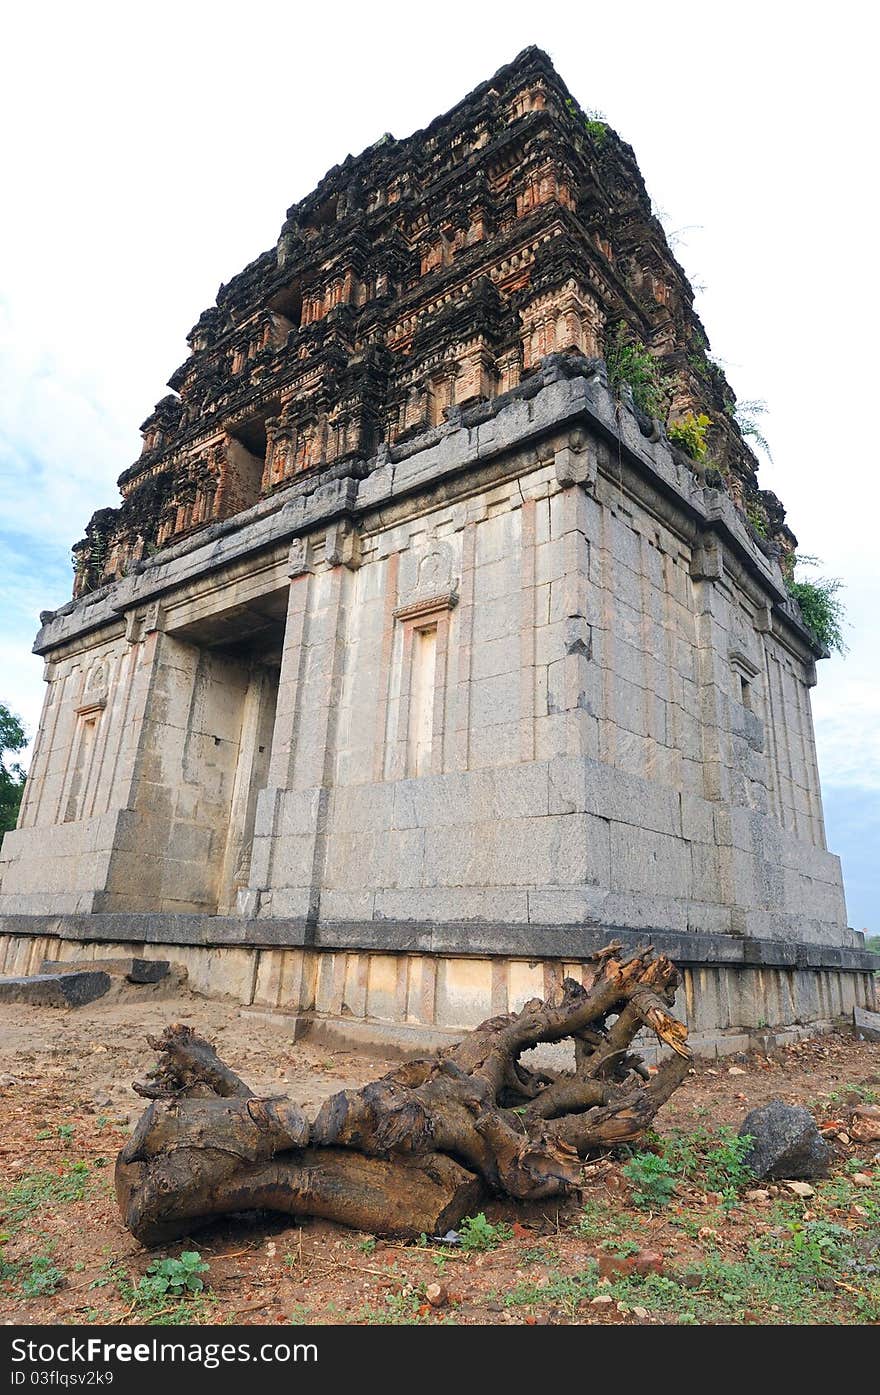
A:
865, 1124
786, 1143
55, 990
411, 322
866, 1024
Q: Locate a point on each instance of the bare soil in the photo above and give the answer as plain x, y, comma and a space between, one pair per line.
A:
66, 1107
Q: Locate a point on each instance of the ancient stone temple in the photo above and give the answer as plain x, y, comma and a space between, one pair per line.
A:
419, 660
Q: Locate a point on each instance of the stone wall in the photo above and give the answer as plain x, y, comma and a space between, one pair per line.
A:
525, 675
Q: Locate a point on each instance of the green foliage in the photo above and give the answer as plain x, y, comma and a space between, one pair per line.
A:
823, 612
596, 1221
593, 122
746, 415
629, 363
12, 777
176, 1278
111, 1272
798, 1271
714, 1161
38, 1189
8, 1268
479, 1234
690, 434
653, 1180
596, 127
44, 1278
401, 1308
817, 1243
619, 1248
864, 1093
756, 519
842, 1194
565, 1291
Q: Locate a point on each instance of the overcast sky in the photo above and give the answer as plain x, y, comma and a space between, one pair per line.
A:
151, 152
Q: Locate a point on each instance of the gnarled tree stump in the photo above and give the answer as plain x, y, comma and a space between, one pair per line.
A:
415, 1151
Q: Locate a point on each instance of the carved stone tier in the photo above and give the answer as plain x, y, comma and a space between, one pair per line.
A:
420, 277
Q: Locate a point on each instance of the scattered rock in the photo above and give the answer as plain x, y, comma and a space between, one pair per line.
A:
865, 1124
866, 1024
135, 970
786, 1142
648, 1262
757, 1194
801, 1188
436, 1295
735, 1070
611, 1266
861, 1179
55, 990
600, 1300
640, 1313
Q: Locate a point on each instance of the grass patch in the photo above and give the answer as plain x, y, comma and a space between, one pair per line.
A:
599, 1221
403, 1308
712, 1161
43, 1278
568, 1292
37, 1190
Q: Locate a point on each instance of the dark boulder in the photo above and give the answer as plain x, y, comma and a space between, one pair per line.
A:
786, 1142
55, 990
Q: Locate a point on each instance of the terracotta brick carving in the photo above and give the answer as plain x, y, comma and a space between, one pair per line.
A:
420, 276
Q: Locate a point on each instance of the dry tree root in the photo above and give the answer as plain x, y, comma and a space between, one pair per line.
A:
415, 1151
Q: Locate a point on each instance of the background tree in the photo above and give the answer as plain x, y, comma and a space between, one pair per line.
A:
12, 777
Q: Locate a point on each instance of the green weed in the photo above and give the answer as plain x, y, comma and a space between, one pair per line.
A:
479, 1234
38, 1189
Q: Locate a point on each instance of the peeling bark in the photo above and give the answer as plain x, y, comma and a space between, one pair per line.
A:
416, 1150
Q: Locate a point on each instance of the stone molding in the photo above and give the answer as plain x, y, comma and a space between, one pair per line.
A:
563, 397
482, 940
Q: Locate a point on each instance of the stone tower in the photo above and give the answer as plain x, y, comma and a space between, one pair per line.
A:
420, 658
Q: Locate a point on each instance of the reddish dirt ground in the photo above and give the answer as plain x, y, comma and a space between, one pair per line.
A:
67, 1106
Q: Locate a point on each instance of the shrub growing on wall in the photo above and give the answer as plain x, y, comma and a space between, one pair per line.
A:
822, 610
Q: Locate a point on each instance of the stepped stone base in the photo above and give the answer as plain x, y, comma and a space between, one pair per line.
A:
424, 986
